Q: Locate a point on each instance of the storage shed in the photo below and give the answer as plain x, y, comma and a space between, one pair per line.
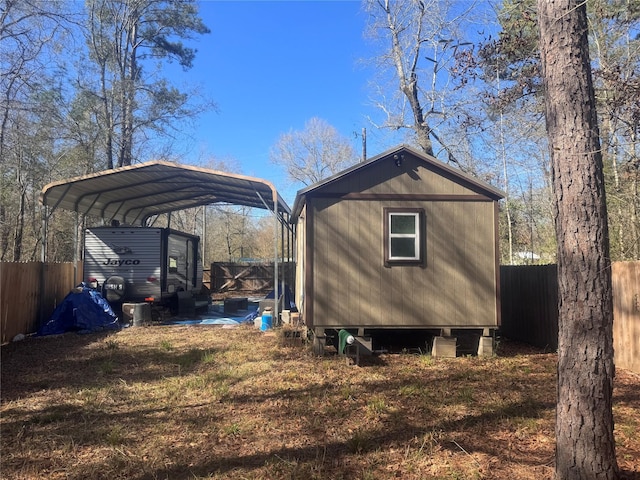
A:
401, 241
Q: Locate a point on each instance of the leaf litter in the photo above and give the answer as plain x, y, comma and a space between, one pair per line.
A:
205, 402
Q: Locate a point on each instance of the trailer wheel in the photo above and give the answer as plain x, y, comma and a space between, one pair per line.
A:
114, 289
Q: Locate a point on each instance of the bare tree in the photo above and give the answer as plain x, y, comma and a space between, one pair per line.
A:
513, 57
314, 153
421, 40
123, 37
615, 49
584, 418
29, 31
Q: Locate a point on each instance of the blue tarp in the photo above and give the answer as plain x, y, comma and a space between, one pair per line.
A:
84, 310
206, 321
215, 318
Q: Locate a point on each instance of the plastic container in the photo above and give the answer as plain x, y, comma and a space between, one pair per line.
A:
267, 320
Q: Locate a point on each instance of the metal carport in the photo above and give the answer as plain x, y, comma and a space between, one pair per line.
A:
135, 194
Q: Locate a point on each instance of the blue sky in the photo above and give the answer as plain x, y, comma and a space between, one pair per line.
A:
271, 66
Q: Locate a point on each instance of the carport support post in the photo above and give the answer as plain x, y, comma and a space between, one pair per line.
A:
76, 242
43, 253
276, 221
45, 225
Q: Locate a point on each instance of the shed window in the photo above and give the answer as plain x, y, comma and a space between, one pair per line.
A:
404, 236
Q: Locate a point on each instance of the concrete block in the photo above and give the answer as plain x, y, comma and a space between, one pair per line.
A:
292, 337
136, 314
485, 347
444, 347
319, 344
269, 303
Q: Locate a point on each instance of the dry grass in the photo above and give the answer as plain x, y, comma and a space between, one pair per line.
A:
208, 402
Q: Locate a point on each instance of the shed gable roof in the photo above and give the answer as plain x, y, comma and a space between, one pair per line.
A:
358, 169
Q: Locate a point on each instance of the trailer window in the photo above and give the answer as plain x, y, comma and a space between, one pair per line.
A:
404, 236
173, 264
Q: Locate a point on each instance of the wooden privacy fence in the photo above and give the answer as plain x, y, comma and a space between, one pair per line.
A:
249, 277
29, 293
626, 315
529, 297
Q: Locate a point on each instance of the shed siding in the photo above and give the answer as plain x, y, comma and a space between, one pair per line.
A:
414, 177
456, 288
300, 256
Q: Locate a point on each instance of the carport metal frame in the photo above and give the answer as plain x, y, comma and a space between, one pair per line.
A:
136, 194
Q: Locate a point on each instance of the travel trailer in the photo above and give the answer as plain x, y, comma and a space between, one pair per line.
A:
142, 264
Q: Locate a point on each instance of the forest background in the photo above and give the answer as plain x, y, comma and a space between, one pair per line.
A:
84, 88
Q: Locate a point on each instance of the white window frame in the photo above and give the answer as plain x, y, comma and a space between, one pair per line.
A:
417, 236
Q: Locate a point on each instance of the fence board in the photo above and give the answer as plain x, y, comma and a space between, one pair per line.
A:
529, 297
20, 292
58, 281
29, 293
626, 315
248, 277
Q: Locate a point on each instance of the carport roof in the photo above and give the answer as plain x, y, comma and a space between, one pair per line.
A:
133, 194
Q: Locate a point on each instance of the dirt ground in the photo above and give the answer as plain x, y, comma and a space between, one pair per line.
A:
196, 402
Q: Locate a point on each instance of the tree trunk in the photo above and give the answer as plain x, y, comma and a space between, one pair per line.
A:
408, 79
634, 217
4, 235
584, 419
129, 81
108, 118
19, 230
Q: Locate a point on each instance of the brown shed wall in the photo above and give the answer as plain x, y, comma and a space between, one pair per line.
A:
348, 284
